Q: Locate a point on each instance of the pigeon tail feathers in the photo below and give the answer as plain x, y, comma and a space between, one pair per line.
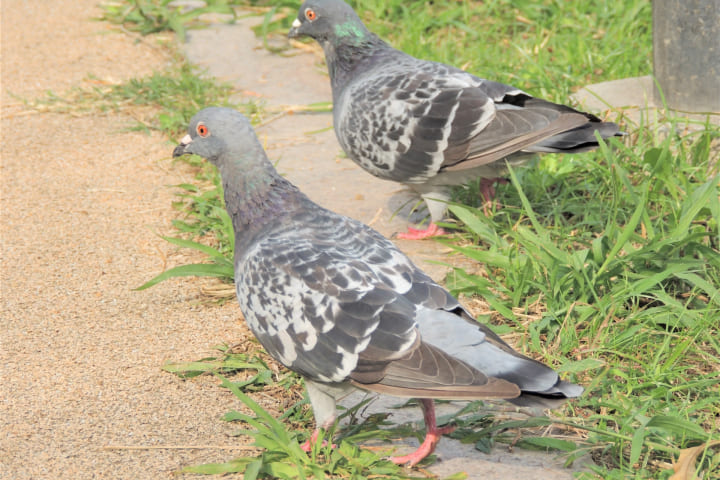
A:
428, 372
457, 334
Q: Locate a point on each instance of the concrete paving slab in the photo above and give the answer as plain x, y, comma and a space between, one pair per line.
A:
306, 151
634, 97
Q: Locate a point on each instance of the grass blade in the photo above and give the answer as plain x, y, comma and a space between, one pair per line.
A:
214, 253
198, 269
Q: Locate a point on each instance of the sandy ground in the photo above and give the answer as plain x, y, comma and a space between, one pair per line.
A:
82, 204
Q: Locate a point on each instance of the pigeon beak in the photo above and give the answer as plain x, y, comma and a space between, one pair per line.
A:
293, 33
180, 149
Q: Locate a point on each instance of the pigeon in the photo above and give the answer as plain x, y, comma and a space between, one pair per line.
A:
429, 125
333, 300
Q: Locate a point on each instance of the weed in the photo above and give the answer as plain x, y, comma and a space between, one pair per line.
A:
621, 251
152, 16
164, 101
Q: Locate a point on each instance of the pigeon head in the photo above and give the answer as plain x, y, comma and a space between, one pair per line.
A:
216, 133
331, 21
255, 193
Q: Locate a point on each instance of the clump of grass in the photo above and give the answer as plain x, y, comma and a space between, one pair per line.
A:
203, 216
615, 256
165, 101
546, 47
282, 457
153, 16
278, 439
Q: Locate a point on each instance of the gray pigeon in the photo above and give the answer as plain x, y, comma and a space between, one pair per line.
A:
430, 125
333, 300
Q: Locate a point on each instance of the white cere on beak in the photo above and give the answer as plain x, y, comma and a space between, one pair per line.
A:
296, 23
185, 140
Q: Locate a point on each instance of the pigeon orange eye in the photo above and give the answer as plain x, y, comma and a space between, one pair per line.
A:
202, 130
310, 14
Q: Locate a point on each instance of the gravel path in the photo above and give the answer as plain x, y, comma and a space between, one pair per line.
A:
82, 204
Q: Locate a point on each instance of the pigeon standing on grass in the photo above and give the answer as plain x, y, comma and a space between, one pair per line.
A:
429, 125
333, 300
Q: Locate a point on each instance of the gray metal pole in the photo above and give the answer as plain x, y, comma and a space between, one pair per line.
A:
686, 54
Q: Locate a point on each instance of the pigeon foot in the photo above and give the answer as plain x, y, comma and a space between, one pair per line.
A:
418, 234
308, 445
487, 190
432, 436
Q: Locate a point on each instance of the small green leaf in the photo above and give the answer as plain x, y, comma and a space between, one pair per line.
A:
210, 251
253, 470
485, 444
678, 426
236, 466
457, 476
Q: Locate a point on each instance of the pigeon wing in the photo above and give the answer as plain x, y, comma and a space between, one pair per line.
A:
410, 119
528, 124
403, 121
520, 122
317, 292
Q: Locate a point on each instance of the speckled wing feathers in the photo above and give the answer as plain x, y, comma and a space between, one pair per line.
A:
513, 131
402, 122
428, 372
409, 120
326, 307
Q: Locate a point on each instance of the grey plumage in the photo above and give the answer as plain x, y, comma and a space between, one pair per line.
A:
332, 299
430, 125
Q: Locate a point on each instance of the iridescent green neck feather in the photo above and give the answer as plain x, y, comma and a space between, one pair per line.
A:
351, 31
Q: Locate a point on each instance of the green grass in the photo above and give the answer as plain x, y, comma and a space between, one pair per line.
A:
152, 16
615, 258
165, 101
283, 458
547, 47
604, 264
202, 216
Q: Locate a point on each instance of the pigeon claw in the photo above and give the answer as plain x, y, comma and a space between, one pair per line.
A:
308, 445
487, 191
418, 234
432, 436
425, 449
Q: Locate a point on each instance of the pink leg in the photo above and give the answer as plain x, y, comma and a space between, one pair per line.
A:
432, 436
308, 445
416, 234
487, 190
